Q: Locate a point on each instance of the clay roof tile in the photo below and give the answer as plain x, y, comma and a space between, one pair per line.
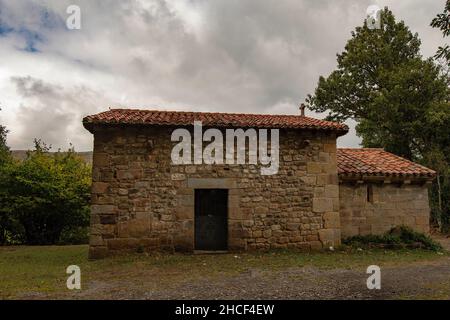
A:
373, 161
178, 118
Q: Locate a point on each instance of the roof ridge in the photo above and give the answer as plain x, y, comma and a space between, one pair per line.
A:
219, 112
357, 149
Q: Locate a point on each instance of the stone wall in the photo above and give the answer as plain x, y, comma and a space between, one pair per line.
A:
392, 205
141, 200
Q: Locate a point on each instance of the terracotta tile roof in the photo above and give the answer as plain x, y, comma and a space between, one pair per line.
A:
177, 118
377, 162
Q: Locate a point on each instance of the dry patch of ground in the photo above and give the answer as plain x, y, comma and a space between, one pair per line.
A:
39, 273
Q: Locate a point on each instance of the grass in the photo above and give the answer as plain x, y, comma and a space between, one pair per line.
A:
34, 271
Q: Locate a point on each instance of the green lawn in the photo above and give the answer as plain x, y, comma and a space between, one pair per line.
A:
36, 270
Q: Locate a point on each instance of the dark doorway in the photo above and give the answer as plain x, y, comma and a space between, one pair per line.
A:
211, 211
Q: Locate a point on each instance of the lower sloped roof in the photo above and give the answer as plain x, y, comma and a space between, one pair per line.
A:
377, 162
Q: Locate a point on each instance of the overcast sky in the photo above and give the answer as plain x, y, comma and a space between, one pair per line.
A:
252, 56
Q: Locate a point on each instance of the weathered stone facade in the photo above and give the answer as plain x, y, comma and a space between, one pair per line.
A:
141, 200
387, 206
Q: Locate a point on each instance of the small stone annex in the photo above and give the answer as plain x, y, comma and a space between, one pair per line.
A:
319, 194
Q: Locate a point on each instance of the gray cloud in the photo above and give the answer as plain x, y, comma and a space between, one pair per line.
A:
236, 56
53, 113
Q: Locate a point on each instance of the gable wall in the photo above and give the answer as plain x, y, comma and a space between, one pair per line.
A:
141, 200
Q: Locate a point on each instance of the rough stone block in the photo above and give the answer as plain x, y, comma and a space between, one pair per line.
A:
190, 169
138, 227
107, 219
184, 213
130, 174
332, 191
330, 237
98, 252
292, 226
240, 233
329, 147
183, 242
322, 179
103, 229
248, 223
234, 201
309, 180
302, 246
322, 205
422, 220
99, 187
122, 244
103, 209
261, 210
267, 233
312, 237
331, 220
186, 200
349, 230
101, 159
235, 244
214, 183
122, 229
315, 245
256, 234
313, 167
96, 240
178, 177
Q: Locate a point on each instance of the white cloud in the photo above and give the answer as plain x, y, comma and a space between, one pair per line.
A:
236, 56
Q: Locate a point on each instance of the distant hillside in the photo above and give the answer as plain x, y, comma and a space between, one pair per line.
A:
21, 155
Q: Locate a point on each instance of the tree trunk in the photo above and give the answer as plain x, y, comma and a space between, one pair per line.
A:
439, 202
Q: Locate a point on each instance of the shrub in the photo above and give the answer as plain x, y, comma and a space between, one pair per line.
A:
11, 231
74, 235
397, 237
45, 195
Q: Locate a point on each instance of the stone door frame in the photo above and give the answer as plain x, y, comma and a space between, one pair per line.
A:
186, 210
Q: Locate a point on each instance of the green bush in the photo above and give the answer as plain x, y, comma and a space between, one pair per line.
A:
398, 237
74, 235
45, 198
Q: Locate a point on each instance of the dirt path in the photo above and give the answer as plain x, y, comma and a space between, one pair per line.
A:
420, 280
318, 284
405, 274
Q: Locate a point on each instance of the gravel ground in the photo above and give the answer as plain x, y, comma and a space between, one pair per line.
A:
420, 280
425, 279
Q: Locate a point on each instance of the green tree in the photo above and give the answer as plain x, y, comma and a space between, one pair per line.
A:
399, 100
383, 83
442, 22
4, 150
9, 227
47, 194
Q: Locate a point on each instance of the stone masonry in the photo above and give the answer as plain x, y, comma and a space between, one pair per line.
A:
141, 200
392, 205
